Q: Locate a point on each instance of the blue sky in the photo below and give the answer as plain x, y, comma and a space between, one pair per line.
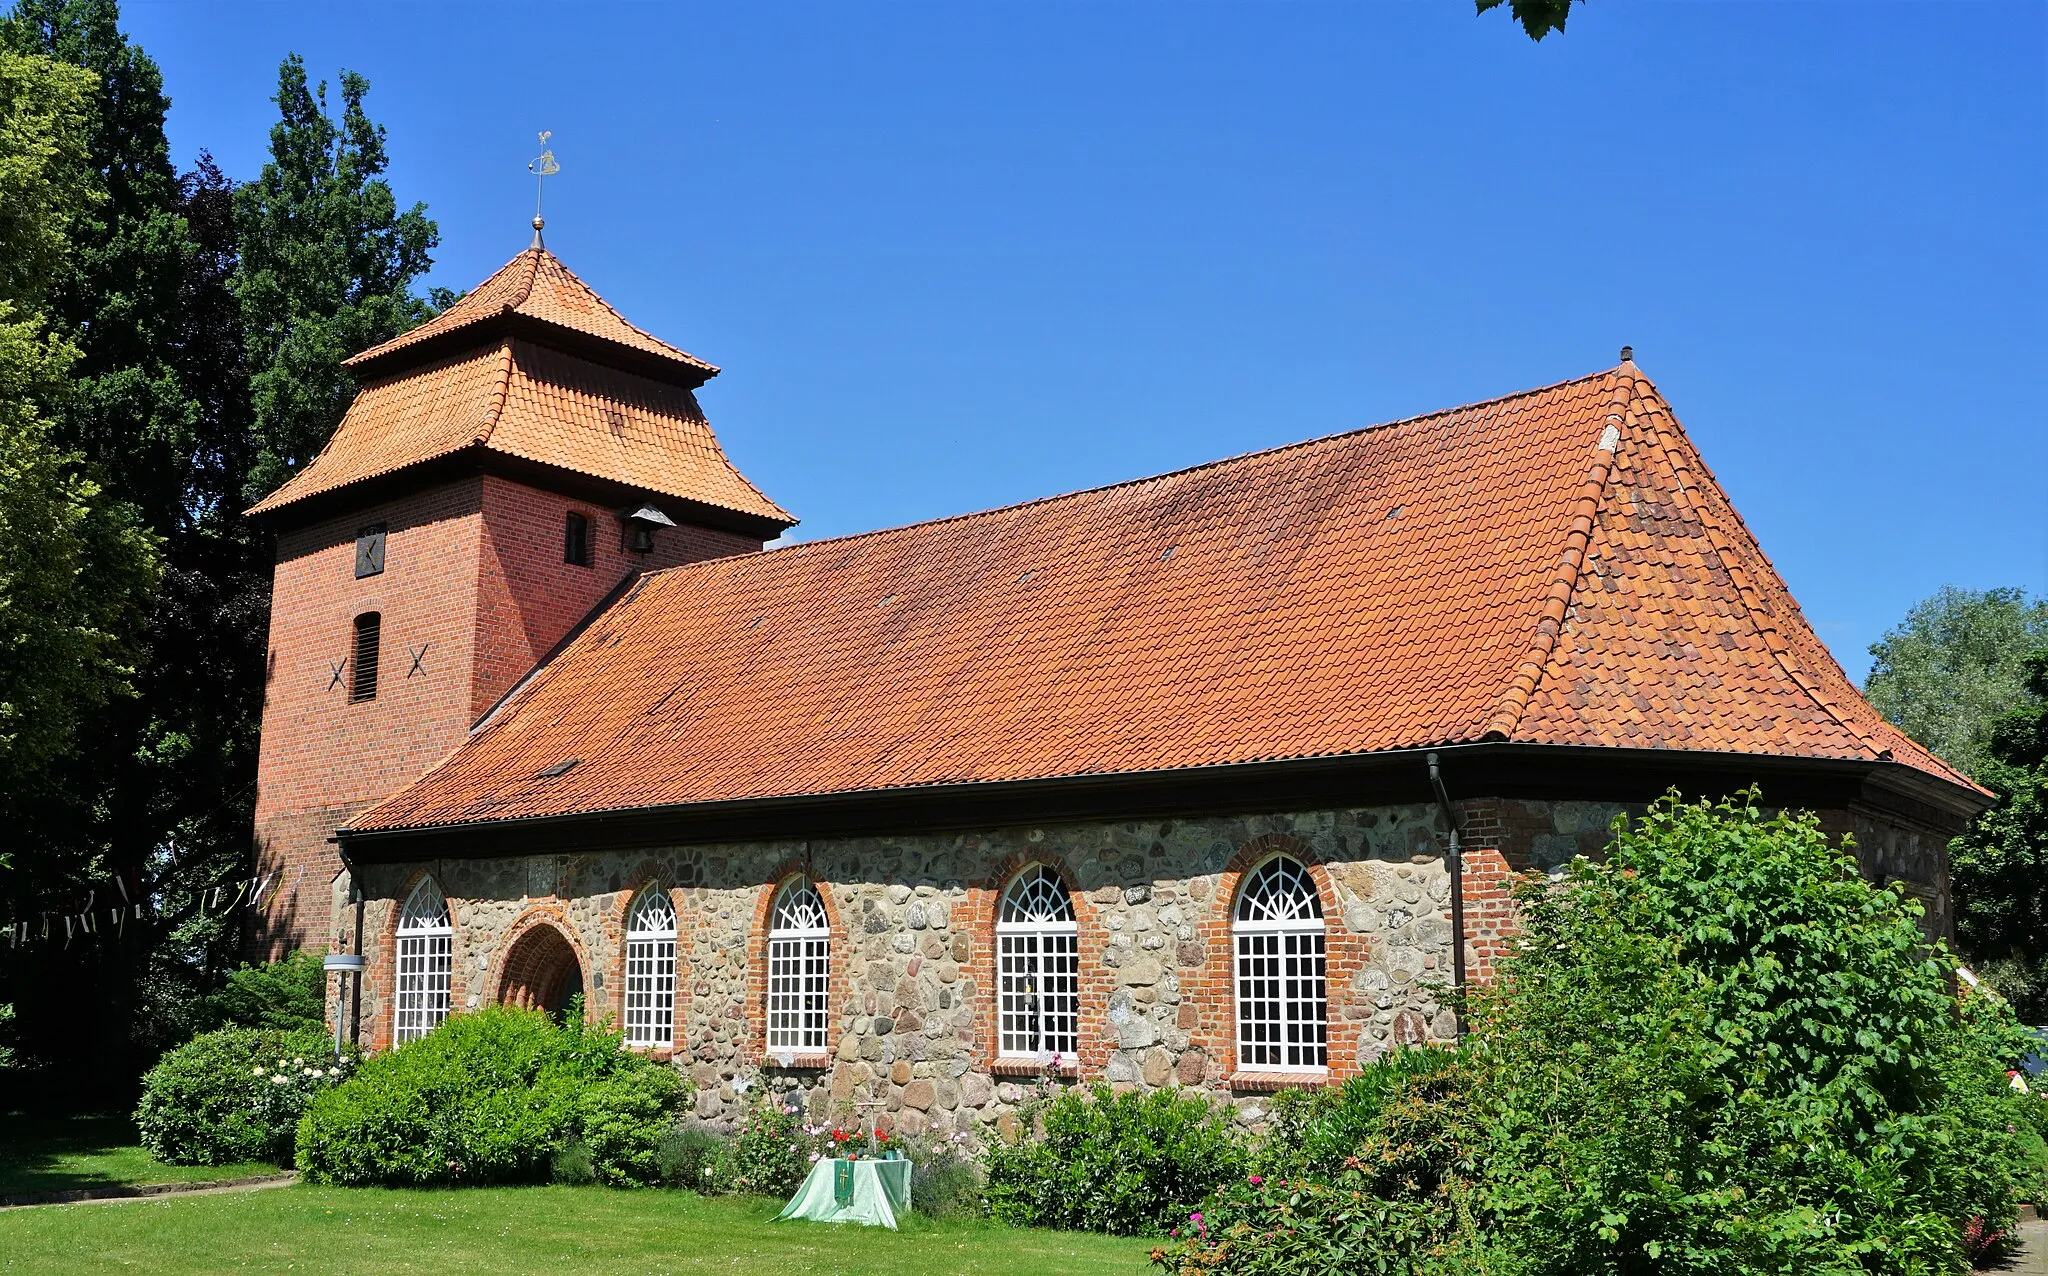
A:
952, 256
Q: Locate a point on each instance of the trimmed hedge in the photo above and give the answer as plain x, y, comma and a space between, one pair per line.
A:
491, 1097
235, 1095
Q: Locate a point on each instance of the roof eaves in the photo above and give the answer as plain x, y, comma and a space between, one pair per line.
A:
1571, 562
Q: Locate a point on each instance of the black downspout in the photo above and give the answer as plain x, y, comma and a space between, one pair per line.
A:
1456, 863
355, 1004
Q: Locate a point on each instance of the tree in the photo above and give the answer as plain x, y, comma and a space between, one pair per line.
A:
1946, 672
328, 264
1956, 676
165, 324
1538, 17
75, 571
2000, 866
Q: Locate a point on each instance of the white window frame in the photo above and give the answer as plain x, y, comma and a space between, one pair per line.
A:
1280, 974
799, 970
651, 970
426, 961
1038, 969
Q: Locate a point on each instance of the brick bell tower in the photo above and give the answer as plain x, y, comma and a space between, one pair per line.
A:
507, 467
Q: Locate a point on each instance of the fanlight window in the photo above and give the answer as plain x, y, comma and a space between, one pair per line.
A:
799, 969
1282, 996
426, 943
1038, 967
651, 970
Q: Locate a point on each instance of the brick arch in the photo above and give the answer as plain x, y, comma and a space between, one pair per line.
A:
541, 954
838, 955
984, 905
383, 976
1343, 955
647, 873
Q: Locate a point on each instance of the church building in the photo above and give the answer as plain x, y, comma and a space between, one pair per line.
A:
1216, 778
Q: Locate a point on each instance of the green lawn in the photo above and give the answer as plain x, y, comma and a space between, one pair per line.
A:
555, 1230
57, 1154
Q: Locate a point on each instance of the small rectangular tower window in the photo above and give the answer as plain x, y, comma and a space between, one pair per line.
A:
576, 541
370, 551
369, 638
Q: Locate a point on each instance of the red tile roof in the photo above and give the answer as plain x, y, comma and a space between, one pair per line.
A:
535, 394
536, 285
1556, 567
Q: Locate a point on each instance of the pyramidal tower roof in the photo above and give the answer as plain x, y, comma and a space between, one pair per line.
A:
533, 369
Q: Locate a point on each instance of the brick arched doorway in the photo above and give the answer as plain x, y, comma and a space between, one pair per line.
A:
541, 971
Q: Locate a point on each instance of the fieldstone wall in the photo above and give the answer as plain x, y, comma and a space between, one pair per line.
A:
913, 952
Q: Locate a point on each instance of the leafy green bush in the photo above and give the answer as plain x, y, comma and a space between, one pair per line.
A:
623, 1119
1129, 1164
1311, 1133
491, 1097
768, 1154
685, 1155
1721, 1051
280, 995
945, 1181
235, 1095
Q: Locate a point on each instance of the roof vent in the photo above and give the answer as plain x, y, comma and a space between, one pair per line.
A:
563, 767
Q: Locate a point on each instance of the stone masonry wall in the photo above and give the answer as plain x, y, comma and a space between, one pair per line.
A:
912, 973
912, 922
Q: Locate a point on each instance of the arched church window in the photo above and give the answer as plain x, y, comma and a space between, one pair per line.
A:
1038, 967
799, 970
1282, 997
426, 942
651, 969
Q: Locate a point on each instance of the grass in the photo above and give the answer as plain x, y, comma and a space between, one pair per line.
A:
61, 1153
554, 1230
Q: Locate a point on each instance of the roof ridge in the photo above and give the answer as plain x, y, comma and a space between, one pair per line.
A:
1684, 461
1571, 563
1276, 450
489, 425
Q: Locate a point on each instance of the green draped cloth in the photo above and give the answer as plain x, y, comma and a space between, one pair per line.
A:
870, 1192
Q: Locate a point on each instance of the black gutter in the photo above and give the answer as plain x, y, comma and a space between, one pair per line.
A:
1491, 769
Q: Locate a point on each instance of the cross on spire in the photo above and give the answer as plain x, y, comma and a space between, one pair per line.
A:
542, 166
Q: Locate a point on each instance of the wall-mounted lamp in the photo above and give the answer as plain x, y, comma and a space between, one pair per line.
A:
341, 966
640, 524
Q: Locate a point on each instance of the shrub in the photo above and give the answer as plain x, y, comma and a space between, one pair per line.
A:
624, 1118
280, 995
768, 1155
1129, 1164
491, 1097
235, 1095
1722, 1050
685, 1155
1311, 1133
572, 1165
944, 1179
1307, 1228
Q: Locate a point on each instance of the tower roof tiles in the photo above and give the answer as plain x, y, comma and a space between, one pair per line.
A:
534, 366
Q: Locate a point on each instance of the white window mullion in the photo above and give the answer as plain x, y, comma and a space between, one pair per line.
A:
1282, 978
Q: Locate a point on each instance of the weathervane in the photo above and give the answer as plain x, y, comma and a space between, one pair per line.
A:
542, 166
